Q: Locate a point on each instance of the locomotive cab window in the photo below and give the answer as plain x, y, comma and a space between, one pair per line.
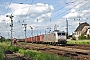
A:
59, 34
63, 33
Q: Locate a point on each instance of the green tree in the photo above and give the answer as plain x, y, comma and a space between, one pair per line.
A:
88, 36
2, 39
8, 39
82, 37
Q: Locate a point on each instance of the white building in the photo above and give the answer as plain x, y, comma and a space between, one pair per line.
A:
83, 28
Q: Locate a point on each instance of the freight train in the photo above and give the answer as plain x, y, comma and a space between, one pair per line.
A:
55, 37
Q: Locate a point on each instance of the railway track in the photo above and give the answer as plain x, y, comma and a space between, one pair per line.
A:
78, 46
8, 55
72, 51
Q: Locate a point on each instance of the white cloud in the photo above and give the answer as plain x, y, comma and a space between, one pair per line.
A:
25, 13
79, 12
31, 11
38, 15
24, 9
79, 9
85, 12
73, 14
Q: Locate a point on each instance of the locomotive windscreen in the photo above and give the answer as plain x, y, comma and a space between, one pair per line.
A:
61, 34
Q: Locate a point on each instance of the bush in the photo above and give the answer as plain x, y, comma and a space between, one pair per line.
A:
88, 36
73, 38
2, 39
82, 37
12, 48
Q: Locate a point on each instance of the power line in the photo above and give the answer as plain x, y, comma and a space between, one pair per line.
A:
26, 15
66, 11
63, 6
11, 18
23, 9
8, 5
29, 7
4, 5
28, 10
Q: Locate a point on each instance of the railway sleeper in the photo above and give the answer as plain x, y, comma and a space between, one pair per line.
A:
15, 56
42, 49
8, 52
83, 53
71, 54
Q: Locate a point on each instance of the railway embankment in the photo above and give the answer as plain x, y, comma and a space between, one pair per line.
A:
11, 53
76, 52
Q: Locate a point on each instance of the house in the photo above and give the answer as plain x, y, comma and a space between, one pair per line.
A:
88, 31
83, 28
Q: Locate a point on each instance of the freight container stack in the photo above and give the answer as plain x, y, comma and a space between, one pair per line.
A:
53, 37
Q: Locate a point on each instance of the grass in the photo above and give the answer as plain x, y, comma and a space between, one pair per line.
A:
1, 54
78, 42
31, 53
41, 56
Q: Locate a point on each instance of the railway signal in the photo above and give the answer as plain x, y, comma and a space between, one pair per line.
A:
11, 17
25, 25
32, 33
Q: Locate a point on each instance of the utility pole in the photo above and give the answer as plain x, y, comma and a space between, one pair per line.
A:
67, 28
0, 34
55, 27
25, 25
11, 17
8, 35
45, 32
49, 29
32, 33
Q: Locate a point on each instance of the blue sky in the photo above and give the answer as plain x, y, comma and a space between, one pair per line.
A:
41, 14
